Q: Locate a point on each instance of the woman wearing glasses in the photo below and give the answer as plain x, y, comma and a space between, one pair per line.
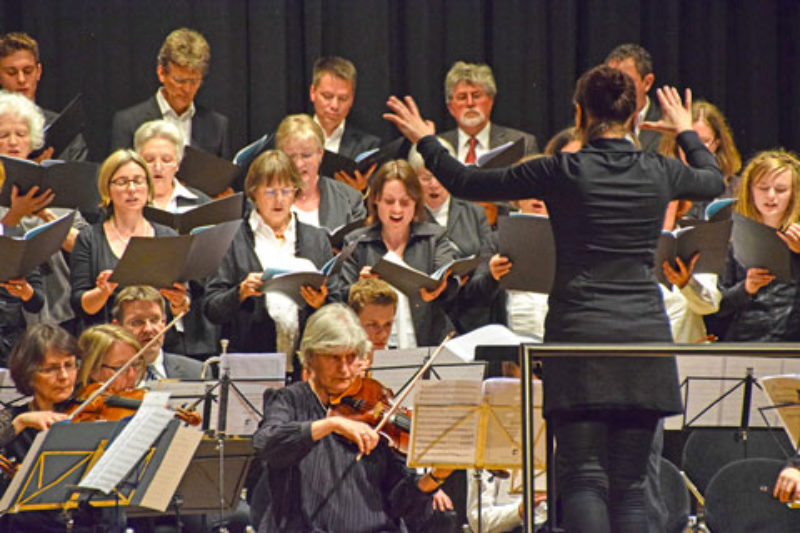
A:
125, 188
271, 237
104, 349
320, 201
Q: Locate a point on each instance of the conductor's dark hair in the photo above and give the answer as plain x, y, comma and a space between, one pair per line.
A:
607, 98
27, 355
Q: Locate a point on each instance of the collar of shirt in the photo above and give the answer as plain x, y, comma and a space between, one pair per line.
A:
179, 190
333, 142
167, 111
480, 148
262, 231
440, 215
642, 114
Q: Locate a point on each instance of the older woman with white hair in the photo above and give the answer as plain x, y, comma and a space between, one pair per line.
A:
21, 132
315, 481
160, 143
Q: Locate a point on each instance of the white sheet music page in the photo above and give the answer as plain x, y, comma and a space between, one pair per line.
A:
131, 444
445, 425
504, 423
786, 390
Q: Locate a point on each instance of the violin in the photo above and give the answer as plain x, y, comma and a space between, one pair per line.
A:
114, 407
367, 400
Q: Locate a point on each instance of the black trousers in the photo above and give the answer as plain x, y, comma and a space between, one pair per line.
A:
601, 461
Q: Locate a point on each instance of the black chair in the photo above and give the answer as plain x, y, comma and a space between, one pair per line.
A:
707, 450
739, 499
676, 497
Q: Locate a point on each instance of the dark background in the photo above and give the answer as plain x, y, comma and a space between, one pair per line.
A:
741, 55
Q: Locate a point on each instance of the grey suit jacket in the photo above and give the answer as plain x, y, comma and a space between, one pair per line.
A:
339, 204
498, 135
182, 367
209, 128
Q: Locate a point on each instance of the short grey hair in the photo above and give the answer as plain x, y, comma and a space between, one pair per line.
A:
415, 159
333, 327
159, 129
20, 106
474, 73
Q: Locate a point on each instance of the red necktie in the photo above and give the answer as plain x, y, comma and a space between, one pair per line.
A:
471, 158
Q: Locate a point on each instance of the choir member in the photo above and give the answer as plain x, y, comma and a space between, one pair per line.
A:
714, 132
21, 132
397, 231
125, 188
182, 64
321, 201
606, 205
761, 308
314, 478
270, 237
160, 143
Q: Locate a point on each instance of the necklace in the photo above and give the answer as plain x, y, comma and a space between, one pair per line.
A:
125, 240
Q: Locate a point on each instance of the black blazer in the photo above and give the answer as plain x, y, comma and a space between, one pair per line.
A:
606, 205
355, 141
247, 325
209, 128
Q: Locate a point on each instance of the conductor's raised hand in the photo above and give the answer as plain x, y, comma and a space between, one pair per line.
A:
676, 116
405, 115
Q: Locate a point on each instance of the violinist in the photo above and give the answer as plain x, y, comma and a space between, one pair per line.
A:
43, 365
314, 478
104, 349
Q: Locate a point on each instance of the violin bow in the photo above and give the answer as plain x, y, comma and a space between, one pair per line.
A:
125, 367
407, 389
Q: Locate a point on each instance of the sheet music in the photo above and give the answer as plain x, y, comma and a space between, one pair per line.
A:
785, 389
463, 346
503, 423
451, 414
183, 392
172, 467
131, 444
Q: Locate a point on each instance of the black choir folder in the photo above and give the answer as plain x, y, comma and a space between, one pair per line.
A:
409, 280
757, 245
214, 212
333, 162
336, 235
162, 261
709, 239
73, 182
65, 127
207, 172
527, 240
21, 256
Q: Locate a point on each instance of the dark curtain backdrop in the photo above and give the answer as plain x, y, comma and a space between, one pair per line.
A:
741, 55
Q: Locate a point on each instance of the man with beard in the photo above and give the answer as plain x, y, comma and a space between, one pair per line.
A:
469, 93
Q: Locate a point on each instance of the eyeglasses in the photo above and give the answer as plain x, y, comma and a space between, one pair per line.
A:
55, 370
138, 366
285, 191
191, 82
138, 181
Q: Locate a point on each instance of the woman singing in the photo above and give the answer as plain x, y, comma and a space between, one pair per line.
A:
606, 205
